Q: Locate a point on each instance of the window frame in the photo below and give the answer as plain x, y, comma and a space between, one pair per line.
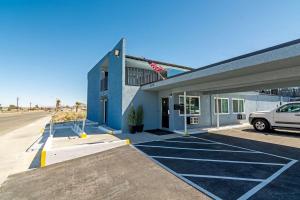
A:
238, 99
221, 106
190, 96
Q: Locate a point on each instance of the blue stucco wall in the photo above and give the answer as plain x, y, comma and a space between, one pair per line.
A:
93, 103
115, 80
132, 95
120, 96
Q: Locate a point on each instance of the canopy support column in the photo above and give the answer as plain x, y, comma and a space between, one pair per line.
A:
217, 110
185, 119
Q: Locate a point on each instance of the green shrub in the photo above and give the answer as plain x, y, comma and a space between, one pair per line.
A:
140, 115
131, 118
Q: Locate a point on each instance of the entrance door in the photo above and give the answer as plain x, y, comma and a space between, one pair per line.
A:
165, 112
105, 111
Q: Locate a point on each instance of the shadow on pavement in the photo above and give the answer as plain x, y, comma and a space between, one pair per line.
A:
279, 132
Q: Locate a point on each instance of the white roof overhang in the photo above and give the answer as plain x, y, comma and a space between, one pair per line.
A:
274, 67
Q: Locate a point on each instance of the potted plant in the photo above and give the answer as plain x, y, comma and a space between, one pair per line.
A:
140, 119
131, 120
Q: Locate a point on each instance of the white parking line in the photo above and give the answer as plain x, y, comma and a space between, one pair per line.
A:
221, 161
223, 143
247, 195
244, 148
185, 142
181, 177
193, 149
223, 177
254, 190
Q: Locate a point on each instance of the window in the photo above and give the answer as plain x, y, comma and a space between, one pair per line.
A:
289, 108
238, 105
223, 105
192, 105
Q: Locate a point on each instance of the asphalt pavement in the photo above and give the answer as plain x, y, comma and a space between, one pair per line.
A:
120, 173
12, 121
18, 132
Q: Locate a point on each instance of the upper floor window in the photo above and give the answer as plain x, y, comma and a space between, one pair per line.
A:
223, 105
192, 105
138, 76
238, 105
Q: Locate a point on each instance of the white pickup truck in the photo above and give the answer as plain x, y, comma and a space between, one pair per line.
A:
286, 116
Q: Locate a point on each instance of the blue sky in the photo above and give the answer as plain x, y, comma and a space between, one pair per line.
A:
47, 47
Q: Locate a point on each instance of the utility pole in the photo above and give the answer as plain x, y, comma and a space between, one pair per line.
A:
17, 103
30, 106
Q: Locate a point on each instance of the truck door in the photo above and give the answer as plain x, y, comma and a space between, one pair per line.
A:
288, 115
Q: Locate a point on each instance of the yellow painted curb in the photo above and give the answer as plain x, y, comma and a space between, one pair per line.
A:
83, 135
128, 141
43, 158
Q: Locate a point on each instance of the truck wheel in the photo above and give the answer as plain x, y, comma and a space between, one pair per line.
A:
261, 125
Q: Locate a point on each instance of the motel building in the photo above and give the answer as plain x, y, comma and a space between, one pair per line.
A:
183, 99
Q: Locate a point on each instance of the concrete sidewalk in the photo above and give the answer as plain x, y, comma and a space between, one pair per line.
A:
119, 173
13, 146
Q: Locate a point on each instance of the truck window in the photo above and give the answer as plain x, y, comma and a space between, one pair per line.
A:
290, 108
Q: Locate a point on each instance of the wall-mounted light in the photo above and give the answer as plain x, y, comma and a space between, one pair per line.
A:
117, 52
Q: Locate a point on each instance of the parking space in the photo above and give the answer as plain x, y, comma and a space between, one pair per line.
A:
220, 170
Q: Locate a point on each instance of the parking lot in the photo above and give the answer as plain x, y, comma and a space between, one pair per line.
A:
229, 168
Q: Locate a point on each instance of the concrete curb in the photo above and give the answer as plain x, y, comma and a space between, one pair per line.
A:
45, 149
205, 130
109, 130
52, 156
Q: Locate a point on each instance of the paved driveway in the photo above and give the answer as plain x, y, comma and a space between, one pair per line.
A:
225, 167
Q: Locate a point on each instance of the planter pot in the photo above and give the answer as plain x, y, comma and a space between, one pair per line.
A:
140, 128
132, 129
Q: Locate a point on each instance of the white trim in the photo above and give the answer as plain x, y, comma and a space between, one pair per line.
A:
238, 99
220, 113
190, 96
193, 149
254, 190
221, 161
223, 177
